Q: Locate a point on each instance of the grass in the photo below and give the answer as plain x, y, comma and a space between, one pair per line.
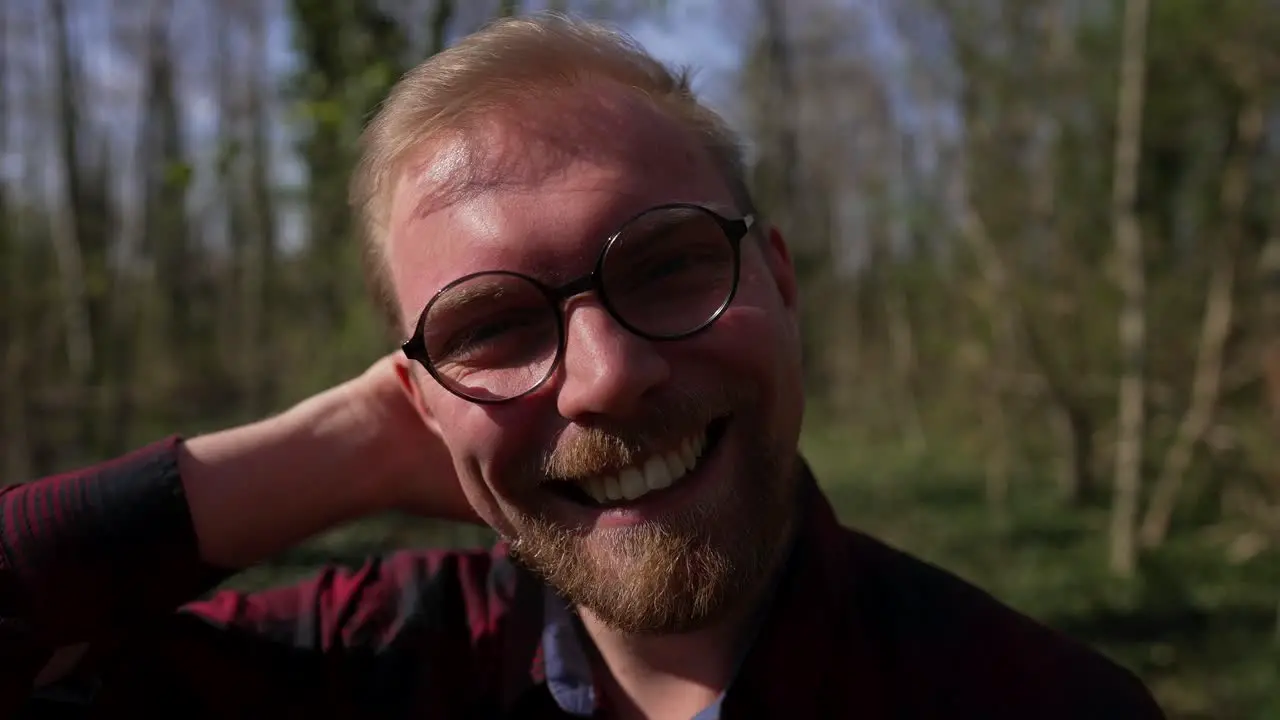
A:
1200, 629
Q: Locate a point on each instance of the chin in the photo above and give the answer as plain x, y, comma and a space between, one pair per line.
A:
677, 557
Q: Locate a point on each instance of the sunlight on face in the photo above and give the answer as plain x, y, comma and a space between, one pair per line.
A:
619, 410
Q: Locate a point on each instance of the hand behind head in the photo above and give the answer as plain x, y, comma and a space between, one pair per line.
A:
420, 478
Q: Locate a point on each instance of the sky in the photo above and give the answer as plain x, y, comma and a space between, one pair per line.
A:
694, 35
700, 34
689, 35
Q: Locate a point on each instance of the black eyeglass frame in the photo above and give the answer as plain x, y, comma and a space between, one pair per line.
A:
415, 348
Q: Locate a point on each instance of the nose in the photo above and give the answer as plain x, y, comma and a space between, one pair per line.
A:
607, 369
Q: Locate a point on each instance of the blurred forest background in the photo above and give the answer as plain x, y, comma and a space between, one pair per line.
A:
1039, 240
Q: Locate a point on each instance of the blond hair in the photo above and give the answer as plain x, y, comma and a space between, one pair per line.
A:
507, 62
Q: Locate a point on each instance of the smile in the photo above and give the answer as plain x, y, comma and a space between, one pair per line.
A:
659, 471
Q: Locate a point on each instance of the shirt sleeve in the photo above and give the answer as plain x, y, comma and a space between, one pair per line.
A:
89, 553
107, 557
393, 636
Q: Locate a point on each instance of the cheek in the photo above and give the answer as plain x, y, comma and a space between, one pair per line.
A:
494, 450
747, 348
467, 446
758, 329
756, 341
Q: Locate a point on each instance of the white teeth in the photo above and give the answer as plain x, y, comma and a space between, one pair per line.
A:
633, 484
612, 491
675, 465
687, 454
656, 473
595, 488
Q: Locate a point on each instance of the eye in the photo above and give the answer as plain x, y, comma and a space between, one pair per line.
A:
495, 337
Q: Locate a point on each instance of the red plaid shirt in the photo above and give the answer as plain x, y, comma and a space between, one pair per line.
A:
107, 556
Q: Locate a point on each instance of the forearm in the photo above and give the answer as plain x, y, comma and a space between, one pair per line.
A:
258, 489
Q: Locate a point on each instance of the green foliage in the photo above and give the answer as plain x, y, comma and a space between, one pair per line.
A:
178, 175
1194, 625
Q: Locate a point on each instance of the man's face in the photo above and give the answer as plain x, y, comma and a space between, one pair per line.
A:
538, 193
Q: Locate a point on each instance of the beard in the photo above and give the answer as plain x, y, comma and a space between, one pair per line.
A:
696, 564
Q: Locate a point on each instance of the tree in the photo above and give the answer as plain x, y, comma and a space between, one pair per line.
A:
1216, 326
1130, 266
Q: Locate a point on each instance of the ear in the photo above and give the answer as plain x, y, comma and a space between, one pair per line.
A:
408, 372
781, 267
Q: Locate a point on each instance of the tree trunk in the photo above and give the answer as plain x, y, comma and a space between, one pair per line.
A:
782, 111
1215, 327
1073, 423
63, 221
259, 255
1075, 429
1006, 317
440, 20
15, 448
1269, 270
1270, 359
902, 347
1132, 281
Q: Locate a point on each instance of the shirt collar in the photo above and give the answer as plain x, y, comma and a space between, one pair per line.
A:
562, 658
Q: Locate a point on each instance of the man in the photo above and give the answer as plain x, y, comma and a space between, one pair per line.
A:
603, 364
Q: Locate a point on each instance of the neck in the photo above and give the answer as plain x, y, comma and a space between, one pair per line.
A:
665, 675
678, 675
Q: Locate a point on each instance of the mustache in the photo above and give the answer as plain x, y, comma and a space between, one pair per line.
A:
587, 451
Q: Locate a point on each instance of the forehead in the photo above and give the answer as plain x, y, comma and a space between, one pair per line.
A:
538, 189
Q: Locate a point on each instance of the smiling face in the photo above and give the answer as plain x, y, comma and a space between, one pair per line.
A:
650, 482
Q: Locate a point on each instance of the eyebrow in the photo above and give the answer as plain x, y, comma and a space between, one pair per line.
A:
664, 224
443, 195
461, 296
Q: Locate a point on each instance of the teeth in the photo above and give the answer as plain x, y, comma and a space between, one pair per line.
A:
633, 484
595, 488
612, 491
656, 473
675, 465
687, 454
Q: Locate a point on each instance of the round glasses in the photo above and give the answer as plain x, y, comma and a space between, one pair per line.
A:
495, 336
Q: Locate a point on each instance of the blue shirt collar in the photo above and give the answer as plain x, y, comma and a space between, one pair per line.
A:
568, 670
564, 658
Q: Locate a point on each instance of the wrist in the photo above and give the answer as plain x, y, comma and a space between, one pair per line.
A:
374, 435
351, 447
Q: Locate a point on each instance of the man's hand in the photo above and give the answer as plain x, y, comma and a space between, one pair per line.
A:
353, 450
417, 474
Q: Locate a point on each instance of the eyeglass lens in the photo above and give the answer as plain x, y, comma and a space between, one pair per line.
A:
498, 335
